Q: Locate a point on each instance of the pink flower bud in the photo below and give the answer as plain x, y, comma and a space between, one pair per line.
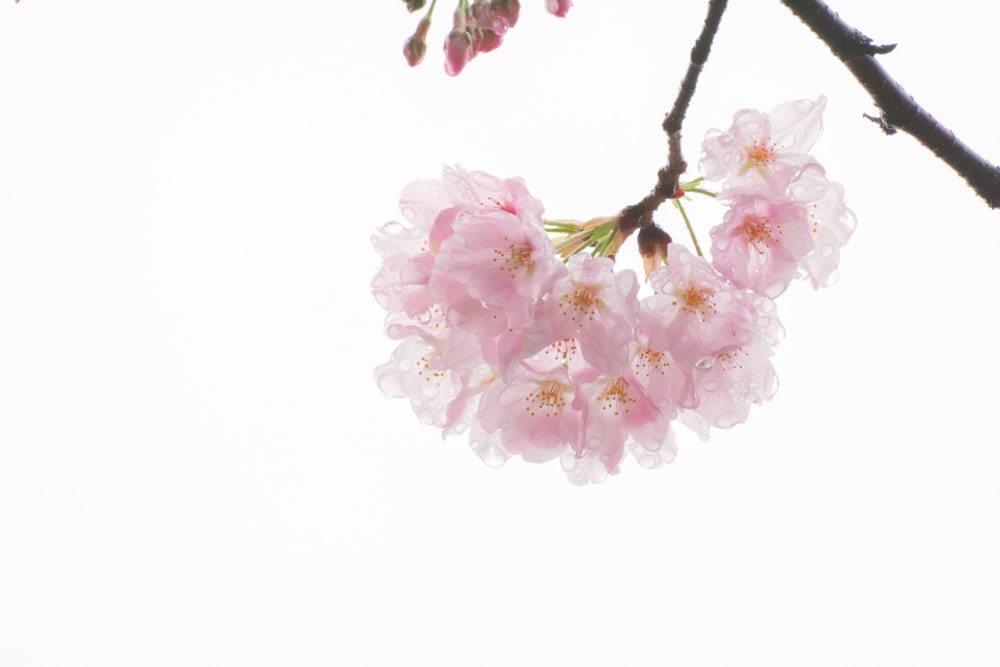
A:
415, 46
413, 50
457, 51
485, 40
508, 10
558, 7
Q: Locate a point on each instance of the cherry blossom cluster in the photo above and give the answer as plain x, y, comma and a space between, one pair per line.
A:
546, 359
478, 27
786, 220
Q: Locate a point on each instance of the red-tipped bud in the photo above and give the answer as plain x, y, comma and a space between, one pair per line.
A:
457, 51
415, 46
414, 49
485, 40
508, 10
558, 7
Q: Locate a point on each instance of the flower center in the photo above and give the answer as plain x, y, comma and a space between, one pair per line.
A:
499, 205
433, 316
582, 302
615, 396
427, 372
760, 155
732, 360
547, 399
696, 300
650, 361
562, 350
515, 259
756, 230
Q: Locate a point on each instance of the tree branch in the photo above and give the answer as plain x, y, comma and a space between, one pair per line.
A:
641, 215
899, 110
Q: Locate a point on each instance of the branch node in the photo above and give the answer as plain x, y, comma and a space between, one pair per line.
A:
882, 123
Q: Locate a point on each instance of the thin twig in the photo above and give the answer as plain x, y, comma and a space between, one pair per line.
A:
687, 223
640, 215
899, 110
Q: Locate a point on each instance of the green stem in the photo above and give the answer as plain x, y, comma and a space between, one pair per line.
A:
687, 223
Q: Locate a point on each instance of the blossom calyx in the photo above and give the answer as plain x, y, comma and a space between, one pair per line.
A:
603, 236
653, 243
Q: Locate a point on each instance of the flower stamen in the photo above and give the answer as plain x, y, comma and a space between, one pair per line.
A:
548, 399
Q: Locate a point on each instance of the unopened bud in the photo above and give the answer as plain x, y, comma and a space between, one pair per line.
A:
653, 243
485, 40
457, 51
558, 7
508, 10
415, 46
414, 5
414, 49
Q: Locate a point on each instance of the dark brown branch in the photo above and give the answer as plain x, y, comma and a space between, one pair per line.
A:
641, 215
899, 110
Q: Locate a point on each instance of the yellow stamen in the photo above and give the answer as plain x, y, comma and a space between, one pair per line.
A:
756, 230
582, 302
548, 399
696, 300
515, 259
616, 397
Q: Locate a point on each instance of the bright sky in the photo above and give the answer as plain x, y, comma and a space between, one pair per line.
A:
196, 467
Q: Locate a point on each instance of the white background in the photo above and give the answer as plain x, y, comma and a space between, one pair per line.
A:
196, 467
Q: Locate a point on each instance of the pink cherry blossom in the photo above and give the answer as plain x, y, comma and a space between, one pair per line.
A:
666, 381
595, 305
494, 267
830, 223
618, 412
695, 313
773, 185
763, 151
540, 359
396, 244
431, 207
761, 243
727, 384
533, 413
480, 190
414, 372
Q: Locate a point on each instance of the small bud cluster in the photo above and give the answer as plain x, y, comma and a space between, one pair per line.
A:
477, 27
